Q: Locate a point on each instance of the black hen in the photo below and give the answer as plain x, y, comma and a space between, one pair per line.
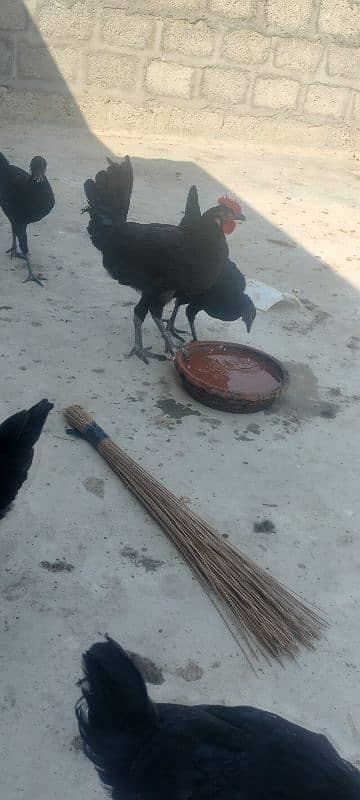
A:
160, 261
159, 751
225, 300
18, 435
24, 198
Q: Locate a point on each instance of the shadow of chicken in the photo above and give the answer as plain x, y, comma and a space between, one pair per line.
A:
162, 751
225, 300
18, 436
24, 198
160, 261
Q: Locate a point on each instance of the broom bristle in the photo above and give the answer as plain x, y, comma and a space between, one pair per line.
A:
270, 614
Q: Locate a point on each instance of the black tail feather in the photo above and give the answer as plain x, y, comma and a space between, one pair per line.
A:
115, 713
18, 435
192, 209
109, 195
4, 171
109, 199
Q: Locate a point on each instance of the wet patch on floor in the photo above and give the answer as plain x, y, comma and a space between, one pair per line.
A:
140, 560
15, 591
211, 421
94, 486
190, 672
60, 565
264, 526
301, 400
253, 428
176, 411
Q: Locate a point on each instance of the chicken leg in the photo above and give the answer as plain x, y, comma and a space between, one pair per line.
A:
170, 323
169, 347
144, 353
13, 250
191, 312
23, 254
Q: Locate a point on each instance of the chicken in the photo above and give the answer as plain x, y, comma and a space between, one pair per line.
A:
24, 198
160, 751
160, 261
225, 300
18, 435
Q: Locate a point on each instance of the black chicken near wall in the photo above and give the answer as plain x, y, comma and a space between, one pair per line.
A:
24, 198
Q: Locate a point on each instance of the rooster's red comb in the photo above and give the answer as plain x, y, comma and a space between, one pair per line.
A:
230, 203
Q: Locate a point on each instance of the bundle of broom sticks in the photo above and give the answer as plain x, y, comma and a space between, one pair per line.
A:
276, 622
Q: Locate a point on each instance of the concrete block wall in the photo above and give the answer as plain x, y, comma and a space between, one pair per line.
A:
286, 70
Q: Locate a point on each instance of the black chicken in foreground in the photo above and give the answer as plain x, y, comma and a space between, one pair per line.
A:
18, 436
160, 261
225, 300
160, 751
24, 198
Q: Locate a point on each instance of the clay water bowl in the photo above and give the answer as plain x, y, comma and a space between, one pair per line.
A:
230, 377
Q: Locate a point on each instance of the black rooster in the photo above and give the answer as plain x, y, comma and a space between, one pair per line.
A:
18, 435
160, 261
160, 751
24, 198
225, 300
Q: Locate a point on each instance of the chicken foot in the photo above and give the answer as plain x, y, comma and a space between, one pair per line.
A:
144, 353
170, 324
15, 253
31, 274
169, 345
13, 250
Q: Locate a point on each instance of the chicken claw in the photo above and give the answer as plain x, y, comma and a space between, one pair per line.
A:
170, 327
31, 274
15, 253
144, 354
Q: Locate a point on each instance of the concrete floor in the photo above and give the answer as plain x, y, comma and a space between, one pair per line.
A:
297, 465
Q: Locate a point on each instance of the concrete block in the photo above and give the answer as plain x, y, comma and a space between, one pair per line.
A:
225, 85
112, 70
295, 132
59, 19
164, 6
165, 77
93, 111
297, 54
120, 114
233, 9
129, 30
248, 128
291, 16
45, 63
341, 19
344, 62
356, 108
276, 93
6, 57
29, 106
195, 122
326, 100
246, 47
189, 38
13, 16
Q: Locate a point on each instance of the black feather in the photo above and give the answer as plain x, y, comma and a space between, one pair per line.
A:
147, 751
225, 299
192, 209
18, 436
